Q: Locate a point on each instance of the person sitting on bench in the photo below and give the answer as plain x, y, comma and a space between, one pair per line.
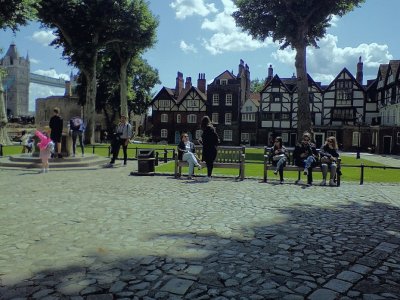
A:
186, 152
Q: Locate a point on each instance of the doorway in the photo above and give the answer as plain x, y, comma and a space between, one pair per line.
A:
319, 138
387, 144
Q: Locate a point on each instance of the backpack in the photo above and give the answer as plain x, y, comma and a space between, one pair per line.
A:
76, 123
50, 146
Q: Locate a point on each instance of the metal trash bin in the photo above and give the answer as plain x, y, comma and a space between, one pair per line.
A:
146, 161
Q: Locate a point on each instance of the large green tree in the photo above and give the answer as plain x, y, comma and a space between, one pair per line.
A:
13, 13
82, 28
296, 24
134, 30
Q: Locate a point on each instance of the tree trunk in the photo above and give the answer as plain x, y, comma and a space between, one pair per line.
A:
123, 86
90, 106
4, 139
303, 105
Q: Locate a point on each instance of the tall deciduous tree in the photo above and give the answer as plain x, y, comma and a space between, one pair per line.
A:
13, 13
82, 28
134, 28
294, 23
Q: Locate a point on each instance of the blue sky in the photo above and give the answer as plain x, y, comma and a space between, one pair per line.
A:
200, 36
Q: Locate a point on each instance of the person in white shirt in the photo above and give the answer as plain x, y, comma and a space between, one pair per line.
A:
186, 152
121, 138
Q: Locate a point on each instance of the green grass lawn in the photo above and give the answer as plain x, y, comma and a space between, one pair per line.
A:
254, 167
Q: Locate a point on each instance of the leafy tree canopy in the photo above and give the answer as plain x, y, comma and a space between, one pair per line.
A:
16, 12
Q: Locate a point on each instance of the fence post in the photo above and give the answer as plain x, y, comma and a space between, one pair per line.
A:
165, 155
136, 152
93, 150
362, 174
1, 150
109, 151
156, 162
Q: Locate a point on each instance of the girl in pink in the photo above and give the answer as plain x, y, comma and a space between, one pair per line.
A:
46, 146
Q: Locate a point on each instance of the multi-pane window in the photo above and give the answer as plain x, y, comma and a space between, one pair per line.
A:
228, 135
192, 118
164, 118
228, 119
215, 99
346, 114
164, 133
344, 91
267, 116
248, 108
223, 81
285, 137
245, 137
276, 97
285, 116
228, 99
192, 103
199, 132
163, 103
214, 118
248, 117
356, 139
178, 118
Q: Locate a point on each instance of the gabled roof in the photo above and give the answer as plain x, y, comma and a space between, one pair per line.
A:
383, 68
185, 92
164, 90
310, 82
225, 75
344, 70
277, 79
12, 51
394, 66
255, 98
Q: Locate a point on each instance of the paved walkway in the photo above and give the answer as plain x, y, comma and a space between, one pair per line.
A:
102, 234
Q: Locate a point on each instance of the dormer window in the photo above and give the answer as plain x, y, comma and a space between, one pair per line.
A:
223, 81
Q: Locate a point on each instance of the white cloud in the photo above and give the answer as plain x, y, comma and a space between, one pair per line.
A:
41, 91
335, 19
187, 47
186, 8
325, 63
51, 73
44, 37
227, 37
34, 61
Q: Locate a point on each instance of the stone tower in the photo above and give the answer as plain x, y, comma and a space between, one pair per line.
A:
16, 83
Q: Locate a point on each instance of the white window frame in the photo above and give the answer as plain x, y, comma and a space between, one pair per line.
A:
246, 117
198, 133
245, 137
164, 133
164, 118
178, 118
223, 81
285, 137
192, 103
228, 119
228, 135
215, 100
228, 99
356, 138
214, 118
163, 103
192, 119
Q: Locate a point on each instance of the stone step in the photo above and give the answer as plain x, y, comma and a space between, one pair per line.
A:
24, 161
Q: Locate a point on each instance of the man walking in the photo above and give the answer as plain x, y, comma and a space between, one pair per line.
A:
121, 138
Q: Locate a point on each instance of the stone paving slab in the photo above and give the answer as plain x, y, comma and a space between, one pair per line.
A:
101, 234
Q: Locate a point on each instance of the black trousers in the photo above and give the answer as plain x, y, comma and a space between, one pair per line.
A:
116, 148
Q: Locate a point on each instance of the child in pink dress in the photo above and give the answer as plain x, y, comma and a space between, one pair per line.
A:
46, 146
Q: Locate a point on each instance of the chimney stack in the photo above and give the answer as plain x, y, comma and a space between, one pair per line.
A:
201, 82
188, 83
359, 75
179, 84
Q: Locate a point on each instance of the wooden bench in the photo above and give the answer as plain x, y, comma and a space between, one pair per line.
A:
290, 166
227, 157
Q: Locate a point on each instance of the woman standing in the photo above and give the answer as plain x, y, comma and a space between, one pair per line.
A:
209, 140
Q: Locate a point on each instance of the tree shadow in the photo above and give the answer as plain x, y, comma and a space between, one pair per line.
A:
311, 253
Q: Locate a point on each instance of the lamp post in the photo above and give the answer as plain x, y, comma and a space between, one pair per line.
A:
360, 116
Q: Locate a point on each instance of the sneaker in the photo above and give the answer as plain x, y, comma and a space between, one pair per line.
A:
281, 182
323, 182
305, 172
275, 172
73, 155
189, 177
110, 165
207, 179
60, 156
332, 183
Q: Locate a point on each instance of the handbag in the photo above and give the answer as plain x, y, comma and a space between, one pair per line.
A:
325, 160
278, 157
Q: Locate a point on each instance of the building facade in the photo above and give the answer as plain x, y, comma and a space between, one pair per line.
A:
16, 82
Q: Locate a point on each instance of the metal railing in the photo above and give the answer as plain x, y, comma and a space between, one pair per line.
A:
362, 169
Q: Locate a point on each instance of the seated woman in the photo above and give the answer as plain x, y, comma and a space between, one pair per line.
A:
279, 157
305, 156
329, 156
186, 152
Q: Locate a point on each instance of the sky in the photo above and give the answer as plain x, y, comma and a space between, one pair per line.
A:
200, 36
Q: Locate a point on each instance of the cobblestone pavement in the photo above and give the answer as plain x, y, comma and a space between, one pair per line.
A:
102, 234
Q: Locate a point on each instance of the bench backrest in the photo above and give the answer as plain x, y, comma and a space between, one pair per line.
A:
225, 154
290, 150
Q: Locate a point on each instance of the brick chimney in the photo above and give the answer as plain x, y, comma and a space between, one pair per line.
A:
179, 84
188, 83
201, 82
359, 75
270, 73
68, 89
241, 67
